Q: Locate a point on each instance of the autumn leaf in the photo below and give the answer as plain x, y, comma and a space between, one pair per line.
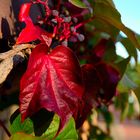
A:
78, 3
103, 84
112, 17
100, 86
52, 81
31, 32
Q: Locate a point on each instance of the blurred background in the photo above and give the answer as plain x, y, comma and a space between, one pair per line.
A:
124, 117
122, 120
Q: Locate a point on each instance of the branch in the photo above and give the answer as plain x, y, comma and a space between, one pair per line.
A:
15, 50
11, 58
5, 129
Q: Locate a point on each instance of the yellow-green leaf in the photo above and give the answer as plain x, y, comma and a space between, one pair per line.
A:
17, 126
107, 2
111, 16
130, 48
23, 136
78, 3
69, 132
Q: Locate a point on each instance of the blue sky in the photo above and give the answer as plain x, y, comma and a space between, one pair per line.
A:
130, 12
130, 15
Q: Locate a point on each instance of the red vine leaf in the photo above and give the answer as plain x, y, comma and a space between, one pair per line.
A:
24, 12
31, 32
100, 49
100, 82
52, 81
100, 86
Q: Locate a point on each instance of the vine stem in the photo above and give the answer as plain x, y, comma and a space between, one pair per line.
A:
84, 22
58, 5
5, 129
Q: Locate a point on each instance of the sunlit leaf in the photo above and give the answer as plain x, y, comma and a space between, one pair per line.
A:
128, 82
78, 3
52, 81
53, 128
68, 133
31, 32
107, 2
17, 126
112, 17
23, 136
122, 65
100, 26
130, 48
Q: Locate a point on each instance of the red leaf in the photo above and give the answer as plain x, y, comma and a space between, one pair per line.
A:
31, 32
52, 81
100, 86
100, 81
100, 49
24, 12
92, 83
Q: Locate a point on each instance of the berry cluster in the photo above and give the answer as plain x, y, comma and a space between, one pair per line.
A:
60, 24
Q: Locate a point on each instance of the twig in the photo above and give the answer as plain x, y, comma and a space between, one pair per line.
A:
11, 58
5, 129
15, 50
84, 22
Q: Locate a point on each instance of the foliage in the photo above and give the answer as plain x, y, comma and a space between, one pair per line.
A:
72, 69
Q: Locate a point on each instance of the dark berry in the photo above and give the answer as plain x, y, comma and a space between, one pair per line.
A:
55, 13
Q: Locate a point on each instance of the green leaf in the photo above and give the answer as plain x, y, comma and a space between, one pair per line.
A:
128, 82
110, 53
100, 25
68, 133
78, 3
121, 102
122, 65
111, 2
17, 126
111, 16
107, 2
52, 130
129, 47
124, 112
23, 136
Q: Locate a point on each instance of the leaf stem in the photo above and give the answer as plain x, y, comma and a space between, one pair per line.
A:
58, 5
84, 22
5, 129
